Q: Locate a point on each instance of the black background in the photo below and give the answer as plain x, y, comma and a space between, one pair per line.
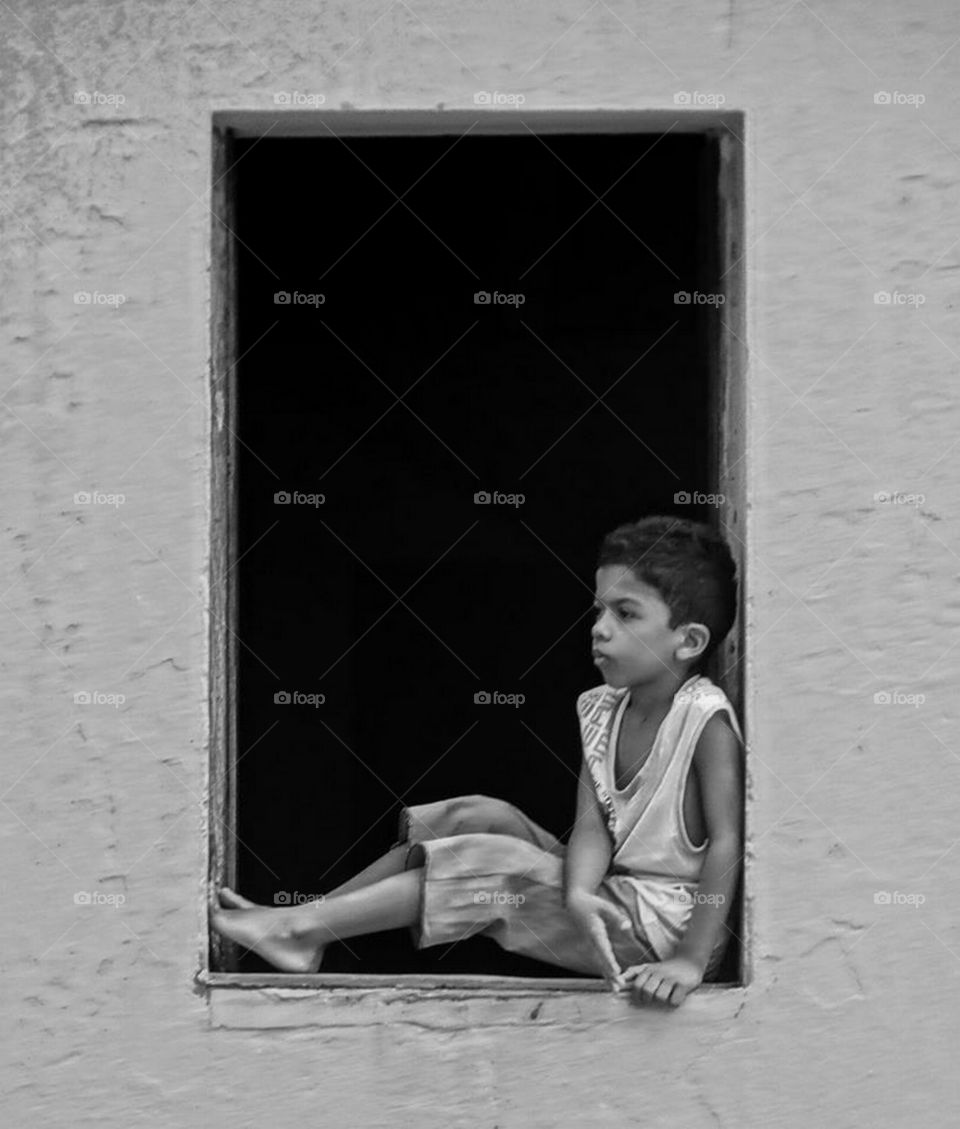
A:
499, 596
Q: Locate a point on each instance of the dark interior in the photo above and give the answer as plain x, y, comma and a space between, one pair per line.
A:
494, 597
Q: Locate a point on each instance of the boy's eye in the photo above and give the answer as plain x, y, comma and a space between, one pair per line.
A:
623, 612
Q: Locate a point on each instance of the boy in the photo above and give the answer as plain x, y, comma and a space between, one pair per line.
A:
660, 797
653, 734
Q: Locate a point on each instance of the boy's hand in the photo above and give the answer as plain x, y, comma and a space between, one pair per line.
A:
665, 981
594, 916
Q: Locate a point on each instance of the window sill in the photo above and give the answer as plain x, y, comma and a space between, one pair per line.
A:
239, 1000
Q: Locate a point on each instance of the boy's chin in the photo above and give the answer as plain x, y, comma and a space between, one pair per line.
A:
610, 676
619, 679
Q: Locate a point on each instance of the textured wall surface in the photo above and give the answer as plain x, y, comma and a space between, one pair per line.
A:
850, 1019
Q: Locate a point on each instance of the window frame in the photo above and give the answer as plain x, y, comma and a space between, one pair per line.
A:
727, 359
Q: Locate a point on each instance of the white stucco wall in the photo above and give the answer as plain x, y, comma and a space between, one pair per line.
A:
851, 1018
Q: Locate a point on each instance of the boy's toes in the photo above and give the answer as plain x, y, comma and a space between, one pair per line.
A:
232, 900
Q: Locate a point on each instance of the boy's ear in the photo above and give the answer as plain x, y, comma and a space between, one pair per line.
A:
696, 639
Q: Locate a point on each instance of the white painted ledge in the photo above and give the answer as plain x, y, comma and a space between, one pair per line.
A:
467, 1002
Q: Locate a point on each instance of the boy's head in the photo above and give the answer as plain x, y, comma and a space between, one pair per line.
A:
666, 597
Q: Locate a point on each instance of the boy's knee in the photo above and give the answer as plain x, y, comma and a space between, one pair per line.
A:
476, 813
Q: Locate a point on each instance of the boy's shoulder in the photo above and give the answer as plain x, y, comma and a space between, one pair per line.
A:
703, 688
704, 695
701, 691
706, 700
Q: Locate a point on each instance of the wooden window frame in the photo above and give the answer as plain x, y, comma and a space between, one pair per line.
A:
727, 356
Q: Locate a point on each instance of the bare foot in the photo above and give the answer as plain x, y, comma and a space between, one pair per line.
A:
231, 900
273, 934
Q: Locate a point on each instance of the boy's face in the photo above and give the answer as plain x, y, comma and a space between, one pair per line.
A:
631, 638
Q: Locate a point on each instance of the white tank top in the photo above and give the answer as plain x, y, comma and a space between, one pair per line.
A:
651, 848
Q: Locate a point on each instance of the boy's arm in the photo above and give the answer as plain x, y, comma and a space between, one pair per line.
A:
588, 853
719, 767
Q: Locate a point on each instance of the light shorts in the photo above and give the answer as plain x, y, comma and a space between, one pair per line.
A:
488, 869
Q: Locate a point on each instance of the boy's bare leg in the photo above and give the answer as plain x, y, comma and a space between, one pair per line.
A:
383, 867
292, 938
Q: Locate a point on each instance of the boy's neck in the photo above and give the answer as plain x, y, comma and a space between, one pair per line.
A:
649, 697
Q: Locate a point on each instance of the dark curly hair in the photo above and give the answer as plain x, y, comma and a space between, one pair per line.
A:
688, 563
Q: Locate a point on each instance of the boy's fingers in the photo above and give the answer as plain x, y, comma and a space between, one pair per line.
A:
662, 994
602, 942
